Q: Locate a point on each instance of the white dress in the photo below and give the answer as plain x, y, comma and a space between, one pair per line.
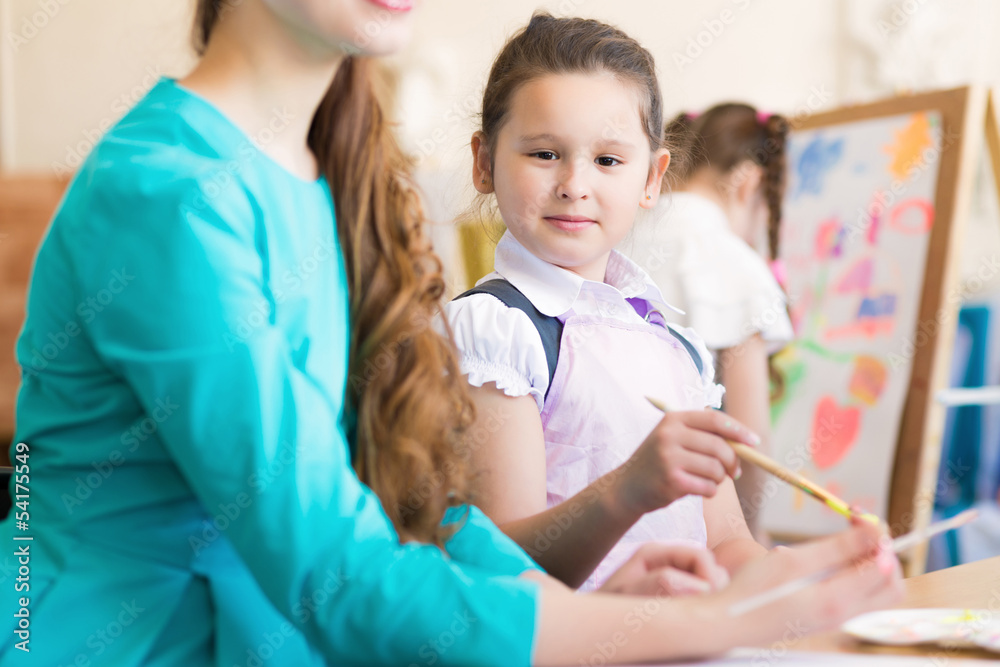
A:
725, 288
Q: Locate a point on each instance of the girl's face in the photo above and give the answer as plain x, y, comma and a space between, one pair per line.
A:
571, 167
368, 27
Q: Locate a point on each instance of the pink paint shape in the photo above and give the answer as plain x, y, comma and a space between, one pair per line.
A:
875, 214
857, 278
799, 310
919, 222
834, 432
827, 238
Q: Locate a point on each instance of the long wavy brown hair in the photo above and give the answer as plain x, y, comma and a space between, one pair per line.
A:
412, 404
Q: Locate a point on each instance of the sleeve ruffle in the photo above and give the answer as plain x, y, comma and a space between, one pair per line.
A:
499, 344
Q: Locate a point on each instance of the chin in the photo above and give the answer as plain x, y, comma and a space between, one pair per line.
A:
379, 49
383, 34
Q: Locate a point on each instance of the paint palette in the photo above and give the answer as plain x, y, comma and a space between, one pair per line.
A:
950, 627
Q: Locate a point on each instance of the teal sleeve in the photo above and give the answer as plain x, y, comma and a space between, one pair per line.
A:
257, 436
478, 541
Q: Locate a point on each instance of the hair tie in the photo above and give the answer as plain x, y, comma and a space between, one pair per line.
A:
691, 116
763, 117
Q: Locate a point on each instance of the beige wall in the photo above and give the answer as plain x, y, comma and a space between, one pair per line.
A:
742, 55
70, 68
745, 57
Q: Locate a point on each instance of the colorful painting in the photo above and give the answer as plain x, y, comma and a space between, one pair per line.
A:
857, 219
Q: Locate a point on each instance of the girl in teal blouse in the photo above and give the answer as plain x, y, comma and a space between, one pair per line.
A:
204, 337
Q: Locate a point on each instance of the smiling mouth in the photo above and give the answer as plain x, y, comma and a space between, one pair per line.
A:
394, 5
569, 223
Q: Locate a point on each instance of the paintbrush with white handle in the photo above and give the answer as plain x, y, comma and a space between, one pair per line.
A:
899, 545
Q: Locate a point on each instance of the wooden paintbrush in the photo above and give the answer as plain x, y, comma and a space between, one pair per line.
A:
750, 454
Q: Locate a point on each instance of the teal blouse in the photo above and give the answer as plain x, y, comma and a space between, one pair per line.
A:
184, 361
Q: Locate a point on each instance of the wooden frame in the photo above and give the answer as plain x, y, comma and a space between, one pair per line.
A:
966, 114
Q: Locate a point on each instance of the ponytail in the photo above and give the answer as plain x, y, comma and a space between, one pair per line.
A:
775, 140
775, 130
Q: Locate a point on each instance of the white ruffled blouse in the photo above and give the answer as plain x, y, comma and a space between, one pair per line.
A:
725, 288
500, 344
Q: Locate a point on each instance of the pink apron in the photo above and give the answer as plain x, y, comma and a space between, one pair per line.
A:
596, 415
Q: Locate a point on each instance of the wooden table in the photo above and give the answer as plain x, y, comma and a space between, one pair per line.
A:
971, 586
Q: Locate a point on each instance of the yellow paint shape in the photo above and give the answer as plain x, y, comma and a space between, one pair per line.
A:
907, 151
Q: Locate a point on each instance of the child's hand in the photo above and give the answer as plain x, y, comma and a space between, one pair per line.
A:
870, 579
685, 454
667, 570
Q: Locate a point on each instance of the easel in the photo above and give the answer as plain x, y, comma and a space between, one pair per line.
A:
915, 476
966, 114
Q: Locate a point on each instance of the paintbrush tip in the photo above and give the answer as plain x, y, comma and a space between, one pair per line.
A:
659, 405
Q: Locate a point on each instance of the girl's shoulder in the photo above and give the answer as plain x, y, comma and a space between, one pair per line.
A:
723, 284
730, 294
498, 343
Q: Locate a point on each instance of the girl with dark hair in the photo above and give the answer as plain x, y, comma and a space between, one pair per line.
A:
700, 247
239, 291
569, 177
566, 339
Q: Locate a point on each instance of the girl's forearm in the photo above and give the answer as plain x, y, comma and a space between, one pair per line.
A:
569, 540
736, 552
613, 629
743, 370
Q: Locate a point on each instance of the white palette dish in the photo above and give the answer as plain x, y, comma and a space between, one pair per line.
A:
972, 628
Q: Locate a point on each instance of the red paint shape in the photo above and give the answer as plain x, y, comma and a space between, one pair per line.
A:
924, 217
868, 328
834, 432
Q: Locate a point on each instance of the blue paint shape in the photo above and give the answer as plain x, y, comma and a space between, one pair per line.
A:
816, 161
880, 306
